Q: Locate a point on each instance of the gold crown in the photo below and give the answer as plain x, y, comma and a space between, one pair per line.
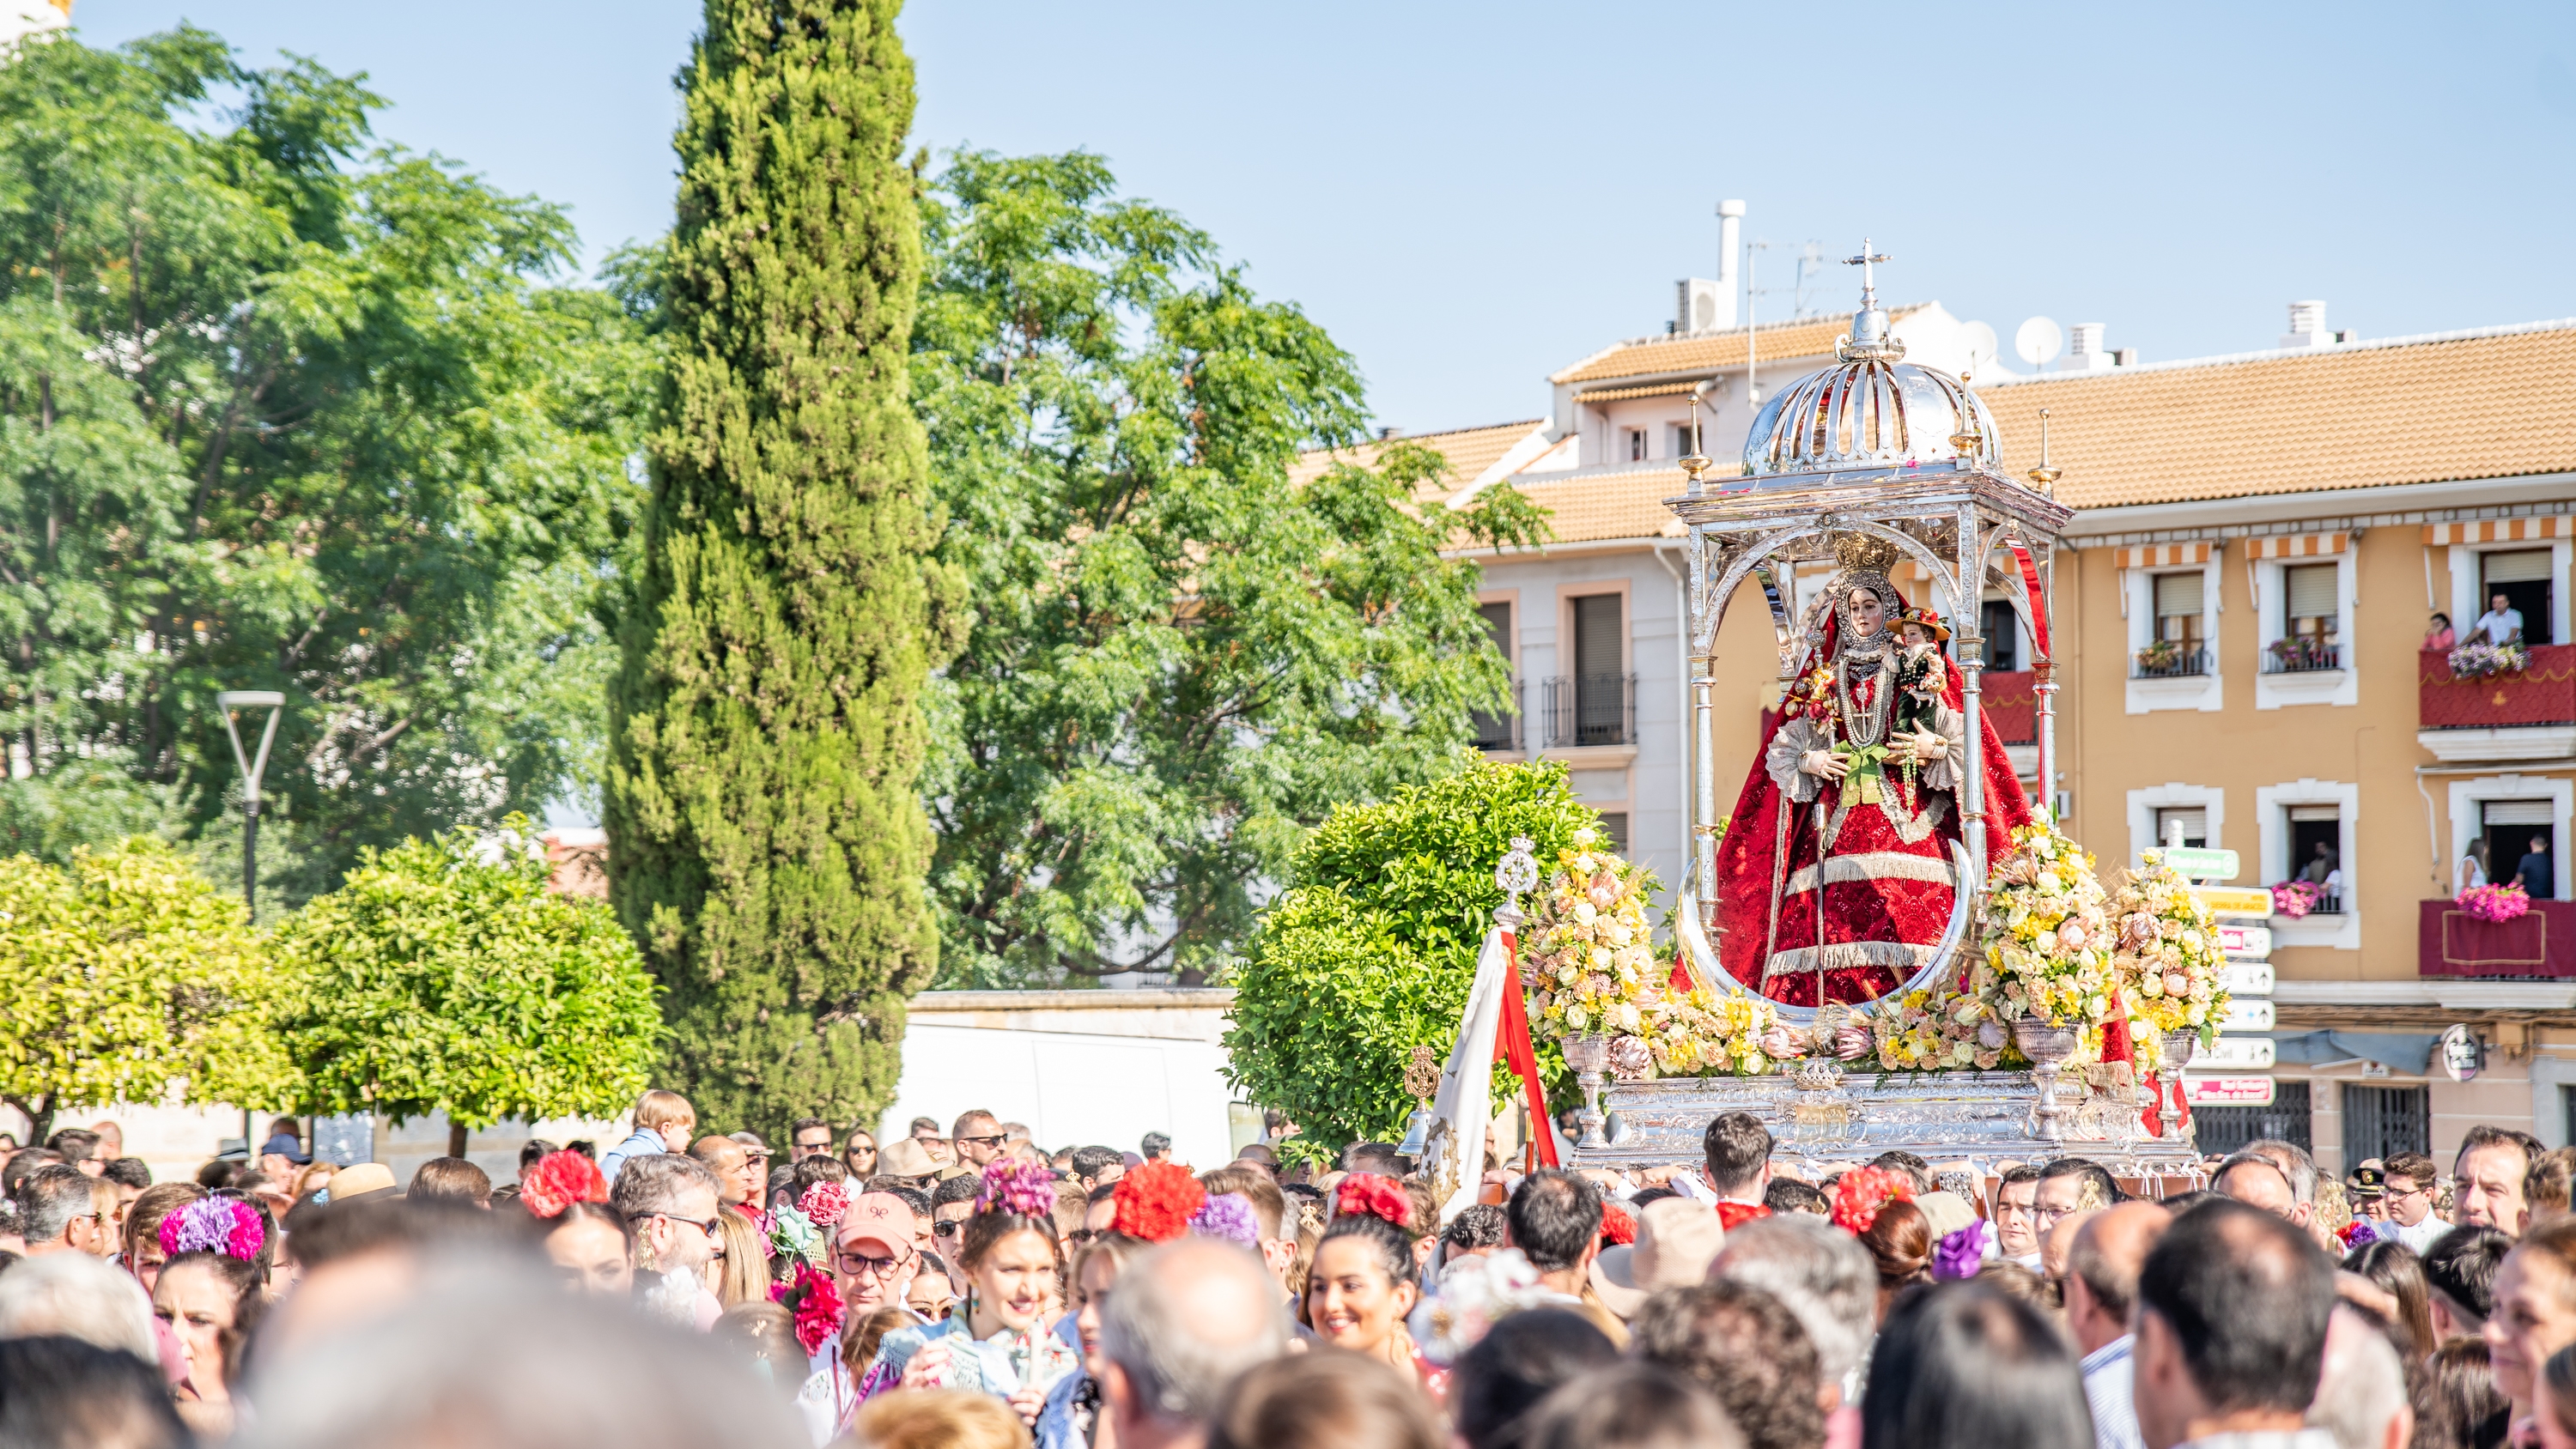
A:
1862, 551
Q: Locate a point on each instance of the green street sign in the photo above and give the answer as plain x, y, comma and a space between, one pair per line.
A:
2199, 864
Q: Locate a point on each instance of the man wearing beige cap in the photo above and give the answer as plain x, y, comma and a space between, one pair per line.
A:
1677, 1238
872, 1256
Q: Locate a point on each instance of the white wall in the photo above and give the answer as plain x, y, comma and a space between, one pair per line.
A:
1073, 1089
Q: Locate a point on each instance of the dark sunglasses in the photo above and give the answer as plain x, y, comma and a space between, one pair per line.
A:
996, 1140
948, 1229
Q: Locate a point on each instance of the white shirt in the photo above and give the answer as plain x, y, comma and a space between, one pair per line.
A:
2469, 873
2423, 1235
2500, 627
2109, 1383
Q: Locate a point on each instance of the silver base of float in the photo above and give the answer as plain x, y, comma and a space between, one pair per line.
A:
1820, 1117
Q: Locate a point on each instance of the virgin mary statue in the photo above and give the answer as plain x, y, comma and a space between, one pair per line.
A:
1835, 879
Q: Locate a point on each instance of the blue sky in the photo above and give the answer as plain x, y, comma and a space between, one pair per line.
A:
1470, 196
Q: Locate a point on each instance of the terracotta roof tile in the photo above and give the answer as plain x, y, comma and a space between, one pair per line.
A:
1470, 451
2370, 416
1706, 351
1602, 506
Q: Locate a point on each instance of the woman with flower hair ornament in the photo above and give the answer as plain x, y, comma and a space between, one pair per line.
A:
1361, 1288
209, 1295
996, 1339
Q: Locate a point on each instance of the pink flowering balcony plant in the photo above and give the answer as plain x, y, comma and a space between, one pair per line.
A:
2498, 903
2295, 898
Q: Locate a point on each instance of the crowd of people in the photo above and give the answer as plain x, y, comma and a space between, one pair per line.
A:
966, 1287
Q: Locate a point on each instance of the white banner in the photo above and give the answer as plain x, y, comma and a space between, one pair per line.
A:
1464, 1106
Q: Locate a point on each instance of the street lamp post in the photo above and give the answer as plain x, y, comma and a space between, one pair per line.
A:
232, 702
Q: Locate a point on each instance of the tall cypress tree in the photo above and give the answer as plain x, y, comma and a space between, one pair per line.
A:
766, 845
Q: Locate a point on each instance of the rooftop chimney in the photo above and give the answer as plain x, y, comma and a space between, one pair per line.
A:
2084, 348
2308, 326
1730, 236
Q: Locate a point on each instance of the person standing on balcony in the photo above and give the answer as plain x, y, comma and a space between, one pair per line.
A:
2323, 865
2438, 635
2537, 872
2472, 870
2501, 623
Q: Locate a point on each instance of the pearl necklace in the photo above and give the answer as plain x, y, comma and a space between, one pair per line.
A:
1868, 726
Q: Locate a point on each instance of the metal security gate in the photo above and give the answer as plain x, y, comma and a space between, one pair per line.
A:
2222, 1130
2384, 1121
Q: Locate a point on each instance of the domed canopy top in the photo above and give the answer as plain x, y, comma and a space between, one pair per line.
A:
1872, 409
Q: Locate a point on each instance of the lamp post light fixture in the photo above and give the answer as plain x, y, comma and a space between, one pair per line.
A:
232, 702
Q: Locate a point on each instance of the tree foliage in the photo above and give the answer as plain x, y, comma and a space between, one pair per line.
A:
127, 978
766, 727
444, 977
1180, 655
284, 408
1371, 951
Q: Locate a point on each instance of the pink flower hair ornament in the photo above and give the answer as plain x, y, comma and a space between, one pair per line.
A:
1017, 1185
214, 1225
823, 1203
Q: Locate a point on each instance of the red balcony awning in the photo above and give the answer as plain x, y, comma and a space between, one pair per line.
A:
2540, 943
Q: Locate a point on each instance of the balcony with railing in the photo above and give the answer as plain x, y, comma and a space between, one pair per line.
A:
1584, 711
2165, 659
1499, 733
2538, 945
2523, 712
2302, 656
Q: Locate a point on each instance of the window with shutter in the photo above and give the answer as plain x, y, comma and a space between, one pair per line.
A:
2193, 819
2311, 592
2178, 608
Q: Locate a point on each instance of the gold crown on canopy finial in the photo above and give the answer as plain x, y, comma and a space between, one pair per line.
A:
1863, 551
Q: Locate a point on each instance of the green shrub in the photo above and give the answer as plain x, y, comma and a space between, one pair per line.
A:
1373, 948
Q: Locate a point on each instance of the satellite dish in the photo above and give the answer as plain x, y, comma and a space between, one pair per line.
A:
1981, 345
2038, 341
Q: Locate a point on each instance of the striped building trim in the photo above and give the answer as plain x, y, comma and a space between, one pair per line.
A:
2501, 530
2298, 545
2165, 555
1624, 394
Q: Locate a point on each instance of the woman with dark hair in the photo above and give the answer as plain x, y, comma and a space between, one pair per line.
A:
1899, 1240
2458, 1405
1326, 1399
593, 1246
210, 1300
2395, 1268
1361, 1285
2555, 1408
995, 1340
1960, 1366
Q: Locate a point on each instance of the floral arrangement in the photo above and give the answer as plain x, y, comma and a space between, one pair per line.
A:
2161, 654
559, 1180
815, 1303
1924, 1033
1228, 1216
2295, 898
1017, 1185
2497, 903
823, 1203
1617, 1226
792, 1235
1374, 1195
1590, 955
2477, 659
1155, 1202
2166, 956
1861, 1192
225, 1225
2360, 1233
1960, 1254
2302, 652
2047, 939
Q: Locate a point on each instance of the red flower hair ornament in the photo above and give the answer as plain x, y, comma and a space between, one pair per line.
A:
559, 1180
1156, 1201
1863, 1191
1616, 1224
1375, 1196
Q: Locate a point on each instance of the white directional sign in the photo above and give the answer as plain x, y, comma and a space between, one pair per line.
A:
2236, 1054
2249, 1091
2253, 943
2201, 864
2248, 1014
2247, 978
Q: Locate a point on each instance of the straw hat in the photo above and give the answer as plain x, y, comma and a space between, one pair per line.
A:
1677, 1238
361, 1181
904, 1157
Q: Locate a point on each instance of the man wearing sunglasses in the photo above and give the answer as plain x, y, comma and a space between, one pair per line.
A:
872, 1254
951, 1204
670, 1199
979, 1138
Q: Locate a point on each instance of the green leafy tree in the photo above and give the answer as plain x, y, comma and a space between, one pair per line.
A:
1180, 657
766, 730
444, 977
283, 408
127, 978
1371, 951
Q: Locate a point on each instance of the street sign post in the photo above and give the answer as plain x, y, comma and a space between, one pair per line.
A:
2254, 943
2227, 1091
2236, 1054
2247, 978
2201, 864
2251, 1013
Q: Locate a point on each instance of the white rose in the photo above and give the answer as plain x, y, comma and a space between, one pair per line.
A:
1576, 1017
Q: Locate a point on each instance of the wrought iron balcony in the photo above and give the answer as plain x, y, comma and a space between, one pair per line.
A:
1499, 733
1584, 710
2171, 663
2302, 656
